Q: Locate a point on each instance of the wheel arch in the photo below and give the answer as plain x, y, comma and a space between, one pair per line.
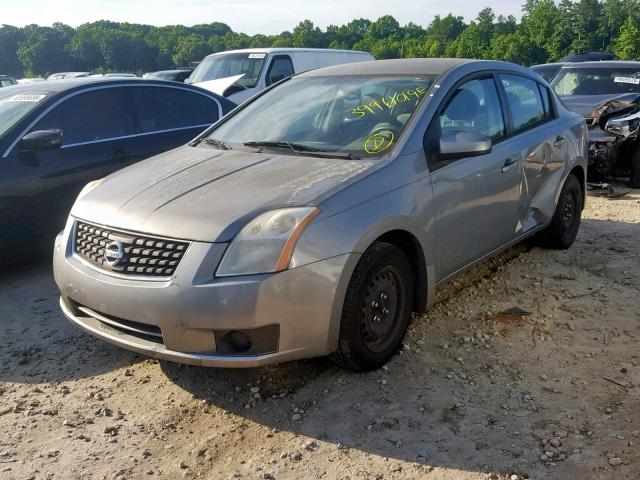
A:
412, 248
578, 172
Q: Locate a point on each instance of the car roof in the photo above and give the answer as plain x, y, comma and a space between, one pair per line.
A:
186, 69
603, 64
58, 86
407, 66
541, 65
288, 49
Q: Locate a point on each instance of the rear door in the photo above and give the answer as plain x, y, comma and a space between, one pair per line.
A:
95, 126
476, 198
543, 147
167, 117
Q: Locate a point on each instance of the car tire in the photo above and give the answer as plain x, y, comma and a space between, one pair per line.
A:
634, 179
376, 309
563, 229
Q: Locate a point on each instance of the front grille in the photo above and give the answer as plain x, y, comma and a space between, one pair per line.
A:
140, 255
591, 122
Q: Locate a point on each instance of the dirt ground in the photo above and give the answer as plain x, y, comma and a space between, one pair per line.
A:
528, 367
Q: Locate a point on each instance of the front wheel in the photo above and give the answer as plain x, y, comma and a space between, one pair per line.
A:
564, 226
376, 309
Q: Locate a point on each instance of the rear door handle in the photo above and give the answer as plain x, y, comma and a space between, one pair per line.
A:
559, 141
509, 163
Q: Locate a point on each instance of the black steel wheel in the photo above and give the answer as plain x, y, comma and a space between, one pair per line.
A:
563, 229
376, 309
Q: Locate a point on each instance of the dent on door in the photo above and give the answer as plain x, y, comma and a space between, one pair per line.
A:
543, 171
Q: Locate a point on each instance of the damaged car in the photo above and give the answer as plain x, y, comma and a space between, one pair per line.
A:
607, 94
314, 218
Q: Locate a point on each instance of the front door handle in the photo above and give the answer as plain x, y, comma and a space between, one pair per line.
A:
559, 141
509, 163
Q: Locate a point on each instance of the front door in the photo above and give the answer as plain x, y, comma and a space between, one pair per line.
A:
476, 198
44, 185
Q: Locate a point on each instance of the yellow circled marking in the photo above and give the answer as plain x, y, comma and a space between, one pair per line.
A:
379, 142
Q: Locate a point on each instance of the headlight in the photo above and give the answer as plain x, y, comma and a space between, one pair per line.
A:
267, 242
625, 126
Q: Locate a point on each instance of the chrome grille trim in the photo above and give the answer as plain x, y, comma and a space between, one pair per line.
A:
145, 257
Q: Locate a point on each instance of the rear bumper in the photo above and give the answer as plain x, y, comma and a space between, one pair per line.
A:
192, 310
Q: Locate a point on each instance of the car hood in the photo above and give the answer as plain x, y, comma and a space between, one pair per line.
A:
219, 85
208, 195
594, 106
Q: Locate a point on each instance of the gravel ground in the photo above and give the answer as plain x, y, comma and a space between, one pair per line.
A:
528, 367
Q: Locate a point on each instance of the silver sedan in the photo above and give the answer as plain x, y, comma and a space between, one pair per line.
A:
316, 217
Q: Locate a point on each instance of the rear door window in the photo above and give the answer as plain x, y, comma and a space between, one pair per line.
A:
205, 109
159, 108
91, 116
546, 102
524, 101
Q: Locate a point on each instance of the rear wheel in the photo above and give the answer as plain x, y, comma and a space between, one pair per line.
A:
564, 226
634, 180
376, 309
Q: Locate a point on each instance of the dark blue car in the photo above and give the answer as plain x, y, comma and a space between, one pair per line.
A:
57, 136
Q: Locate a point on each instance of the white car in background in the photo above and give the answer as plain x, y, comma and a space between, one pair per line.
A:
240, 74
64, 75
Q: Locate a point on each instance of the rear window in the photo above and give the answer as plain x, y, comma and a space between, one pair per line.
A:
596, 81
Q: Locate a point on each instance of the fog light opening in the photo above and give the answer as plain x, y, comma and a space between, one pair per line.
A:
239, 341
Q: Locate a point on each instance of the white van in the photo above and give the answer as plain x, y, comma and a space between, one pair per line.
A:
240, 74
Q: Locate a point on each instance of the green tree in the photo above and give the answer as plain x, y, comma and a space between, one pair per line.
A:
587, 15
539, 22
192, 48
43, 50
10, 39
283, 40
306, 34
626, 46
564, 32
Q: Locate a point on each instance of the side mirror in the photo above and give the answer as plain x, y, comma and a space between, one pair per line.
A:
276, 78
464, 144
42, 140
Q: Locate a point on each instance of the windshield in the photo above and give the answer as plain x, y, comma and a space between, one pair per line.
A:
13, 107
355, 116
596, 81
214, 67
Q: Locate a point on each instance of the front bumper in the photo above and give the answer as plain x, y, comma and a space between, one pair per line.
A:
192, 309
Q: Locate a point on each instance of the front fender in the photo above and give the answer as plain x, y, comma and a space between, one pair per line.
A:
409, 208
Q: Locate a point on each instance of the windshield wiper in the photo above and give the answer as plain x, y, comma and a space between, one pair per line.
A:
299, 149
215, 142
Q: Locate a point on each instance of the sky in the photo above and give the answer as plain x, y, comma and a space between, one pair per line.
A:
247, 16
